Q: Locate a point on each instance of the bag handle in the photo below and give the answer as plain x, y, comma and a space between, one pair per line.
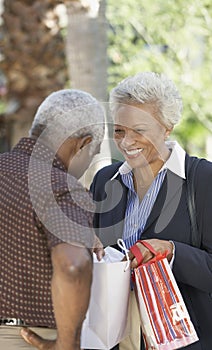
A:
122, 245
138, 255
149, 246
190, 179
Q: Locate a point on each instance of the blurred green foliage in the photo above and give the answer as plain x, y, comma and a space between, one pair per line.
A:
174, 37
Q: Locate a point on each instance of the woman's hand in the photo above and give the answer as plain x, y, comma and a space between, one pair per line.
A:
160, 246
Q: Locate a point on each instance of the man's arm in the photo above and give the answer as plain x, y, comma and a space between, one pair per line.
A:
71, 282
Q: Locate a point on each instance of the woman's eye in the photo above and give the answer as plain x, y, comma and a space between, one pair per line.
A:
118, 131
140, 131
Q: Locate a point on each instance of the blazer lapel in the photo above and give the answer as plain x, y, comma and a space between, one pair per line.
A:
112, 218
167, 201
119, 195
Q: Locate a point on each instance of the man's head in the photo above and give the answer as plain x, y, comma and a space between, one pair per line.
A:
67, 121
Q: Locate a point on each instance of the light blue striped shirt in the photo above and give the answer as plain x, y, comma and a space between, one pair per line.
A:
137, 212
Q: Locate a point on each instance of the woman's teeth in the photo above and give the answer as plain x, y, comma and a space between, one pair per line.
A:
134, 151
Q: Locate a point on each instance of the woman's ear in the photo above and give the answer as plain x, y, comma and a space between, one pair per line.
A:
167, 133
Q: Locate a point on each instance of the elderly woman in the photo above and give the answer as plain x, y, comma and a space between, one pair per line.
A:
145, 197
46, 230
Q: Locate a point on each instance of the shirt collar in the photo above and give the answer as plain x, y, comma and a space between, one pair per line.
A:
175, 163
27, 144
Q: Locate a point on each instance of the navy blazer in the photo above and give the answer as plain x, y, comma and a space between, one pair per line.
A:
169, 220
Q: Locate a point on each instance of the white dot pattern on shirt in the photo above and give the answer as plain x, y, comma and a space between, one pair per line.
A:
26, 269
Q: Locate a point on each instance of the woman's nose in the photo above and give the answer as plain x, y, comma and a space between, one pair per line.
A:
127, 140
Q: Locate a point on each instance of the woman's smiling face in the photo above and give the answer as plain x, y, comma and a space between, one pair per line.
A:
139, 136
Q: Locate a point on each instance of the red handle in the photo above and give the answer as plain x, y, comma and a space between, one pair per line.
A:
137, 253
148, 245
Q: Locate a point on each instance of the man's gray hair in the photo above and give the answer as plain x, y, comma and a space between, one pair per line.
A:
150, 88
69, 113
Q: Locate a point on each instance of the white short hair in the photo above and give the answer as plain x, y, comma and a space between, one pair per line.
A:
150, 88
69, 113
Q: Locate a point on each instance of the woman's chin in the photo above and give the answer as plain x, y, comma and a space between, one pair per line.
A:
136, 161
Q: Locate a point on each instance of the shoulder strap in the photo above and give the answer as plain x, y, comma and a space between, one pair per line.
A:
190, 177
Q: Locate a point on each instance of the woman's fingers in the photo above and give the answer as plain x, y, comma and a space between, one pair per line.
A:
35, 340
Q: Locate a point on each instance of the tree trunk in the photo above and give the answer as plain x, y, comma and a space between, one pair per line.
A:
87, 47
87, 60
33, 59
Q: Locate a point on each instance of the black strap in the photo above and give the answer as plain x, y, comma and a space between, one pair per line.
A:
190, 177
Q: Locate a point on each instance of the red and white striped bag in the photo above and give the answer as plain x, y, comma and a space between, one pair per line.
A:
165, 321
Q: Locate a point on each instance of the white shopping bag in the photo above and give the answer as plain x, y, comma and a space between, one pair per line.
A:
106, 320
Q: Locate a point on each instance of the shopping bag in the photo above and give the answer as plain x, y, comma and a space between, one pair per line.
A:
165, 321
106, 320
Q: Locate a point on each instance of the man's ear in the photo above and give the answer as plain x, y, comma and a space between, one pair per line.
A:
84, 141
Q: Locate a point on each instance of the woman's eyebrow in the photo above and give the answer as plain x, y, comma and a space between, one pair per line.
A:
132, 126
141, 125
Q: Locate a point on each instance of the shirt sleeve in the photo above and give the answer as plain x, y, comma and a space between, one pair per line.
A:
66, 218
173, 256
